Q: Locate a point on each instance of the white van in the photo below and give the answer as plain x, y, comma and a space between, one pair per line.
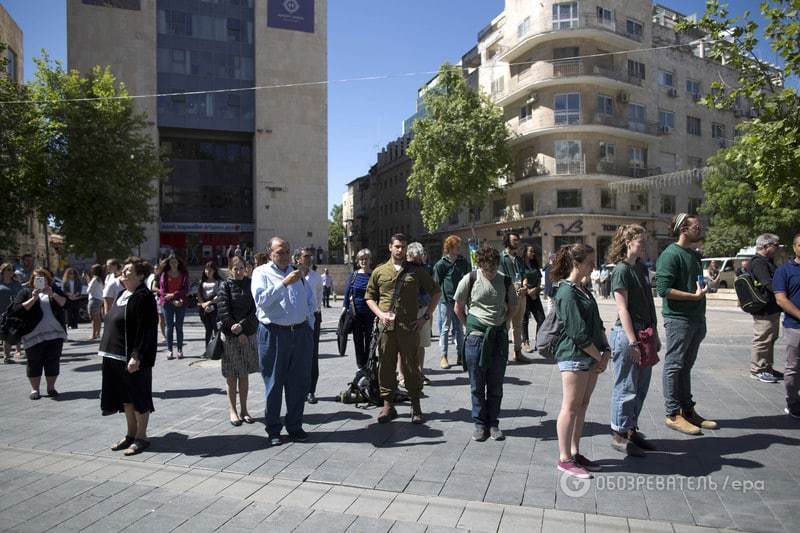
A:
727, 267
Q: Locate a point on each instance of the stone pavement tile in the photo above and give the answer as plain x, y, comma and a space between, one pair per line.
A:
274, 491
188, 480
479, 516
368, 474
404, 507
786, 513
686, 528
443, 529
562, 522
256, 513
270, 468
759, 522
122, 517
371, 503
465, 487
227, 508
408, 527
48, 519
248, 463
162, 476
338, 499
107, 489
708, 510
442, 512
334, 471
157, 521
627, 503
326, 521
605, 524
305, 495
424, 488
667, 505
105, 508
244, 487
506, 487
397, 478
366, 524
216, 483
645, 526
284, 519
540, 487
201, 522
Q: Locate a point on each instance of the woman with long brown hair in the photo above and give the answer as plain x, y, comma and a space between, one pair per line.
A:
72, 286
173, 284
581, 352
630, 283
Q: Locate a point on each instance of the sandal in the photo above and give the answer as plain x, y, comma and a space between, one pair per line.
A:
417, 418
387, 415
138, 446
124, 443
248, 419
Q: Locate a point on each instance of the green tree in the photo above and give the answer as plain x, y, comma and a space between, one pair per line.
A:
100, 166
17, 157
336, 232
459, 149
752, 187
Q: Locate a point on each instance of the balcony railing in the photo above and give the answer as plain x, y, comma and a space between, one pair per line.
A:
541, 121
542, 71
630, 169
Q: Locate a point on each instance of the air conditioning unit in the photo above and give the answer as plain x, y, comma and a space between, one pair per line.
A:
673, 92
623, 97
533, 99
665, 130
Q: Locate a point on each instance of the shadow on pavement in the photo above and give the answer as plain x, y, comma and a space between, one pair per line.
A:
88, 368
464, 380
187, 393
79, 395
781, 421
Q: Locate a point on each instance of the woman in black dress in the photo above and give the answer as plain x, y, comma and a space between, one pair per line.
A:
128, 348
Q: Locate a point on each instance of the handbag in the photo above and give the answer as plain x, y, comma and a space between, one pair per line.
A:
647, 336
215, 347
346, 319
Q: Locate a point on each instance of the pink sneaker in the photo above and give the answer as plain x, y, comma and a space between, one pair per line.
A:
573, 469
591, 466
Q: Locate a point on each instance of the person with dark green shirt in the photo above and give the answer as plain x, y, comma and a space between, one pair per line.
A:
630, 284
531, 296
678, 270
512, 266
581, 352
447, 273
399, 325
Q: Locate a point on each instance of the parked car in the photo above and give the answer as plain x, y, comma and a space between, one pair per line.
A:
727, 267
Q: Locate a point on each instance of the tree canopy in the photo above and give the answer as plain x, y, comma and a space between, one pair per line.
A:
336, 232
459, 149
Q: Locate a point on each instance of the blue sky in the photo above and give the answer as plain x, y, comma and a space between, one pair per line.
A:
365, 38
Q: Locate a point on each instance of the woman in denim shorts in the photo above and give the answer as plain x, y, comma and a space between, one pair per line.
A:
582, 353
630, 283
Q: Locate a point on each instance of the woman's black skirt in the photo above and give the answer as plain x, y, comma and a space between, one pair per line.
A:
121, 387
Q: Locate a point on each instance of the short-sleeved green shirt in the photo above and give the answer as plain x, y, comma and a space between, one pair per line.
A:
488, 301
380, 288
636, 281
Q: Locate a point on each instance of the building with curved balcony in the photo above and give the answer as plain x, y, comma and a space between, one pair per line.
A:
599, 97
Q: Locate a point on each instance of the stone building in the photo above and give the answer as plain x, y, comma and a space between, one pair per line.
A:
605, 123
247, 164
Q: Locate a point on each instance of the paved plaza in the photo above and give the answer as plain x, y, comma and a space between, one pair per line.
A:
202, 474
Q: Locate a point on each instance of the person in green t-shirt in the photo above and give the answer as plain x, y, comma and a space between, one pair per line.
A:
630, 283
447, 273
489, 303
530, 298
684, 308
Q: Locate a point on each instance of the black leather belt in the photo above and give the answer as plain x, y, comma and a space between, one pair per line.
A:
288, 328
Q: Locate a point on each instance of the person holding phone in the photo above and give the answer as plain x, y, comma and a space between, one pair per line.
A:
40, 305
173, 290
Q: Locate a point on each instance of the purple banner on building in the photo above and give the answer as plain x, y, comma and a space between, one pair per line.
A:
295, 15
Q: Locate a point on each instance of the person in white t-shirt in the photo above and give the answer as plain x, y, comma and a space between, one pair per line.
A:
112, 287
304, 259
95, 305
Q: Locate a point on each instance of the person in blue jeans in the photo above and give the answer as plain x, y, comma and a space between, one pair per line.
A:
173, 286
447, 273
285, 312
484, 306
684, 309
630, 284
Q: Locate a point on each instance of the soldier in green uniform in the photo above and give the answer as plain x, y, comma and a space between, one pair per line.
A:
399, 326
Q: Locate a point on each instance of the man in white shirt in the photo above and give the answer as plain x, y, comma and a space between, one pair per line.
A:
327, 286
113, 286
304, 258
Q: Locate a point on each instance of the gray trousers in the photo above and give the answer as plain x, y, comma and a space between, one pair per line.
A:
791, 375
766, 329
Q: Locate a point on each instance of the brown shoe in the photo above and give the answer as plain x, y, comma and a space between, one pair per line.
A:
387, 414
443, 363
520, 359
679, 423
699, 421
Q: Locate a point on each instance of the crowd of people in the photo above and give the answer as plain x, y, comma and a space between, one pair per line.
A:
268, 319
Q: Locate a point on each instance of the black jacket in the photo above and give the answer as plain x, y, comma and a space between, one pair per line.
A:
235, 304
32, 316
141, 326
763, 270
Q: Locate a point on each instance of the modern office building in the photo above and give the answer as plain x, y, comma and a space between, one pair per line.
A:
601, 101
246, 164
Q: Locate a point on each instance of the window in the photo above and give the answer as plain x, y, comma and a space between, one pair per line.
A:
567, 108
608, 199
693, 88
605, 104
525, 113
666, 78
565, 16
636, 69
569, 157
475, 214
11, 66
497, 86
666, 121
634, 29
234, 27
717, 130
696, 162
694, 205
667, 204
636, 117
605, 16
569, 198
639, 201
524, 27
693, 126
133, 5
637, 157
566, 52
526, 202
178, 23
607, 152
498, 208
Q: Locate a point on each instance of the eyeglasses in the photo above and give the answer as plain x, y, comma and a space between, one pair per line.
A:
280, 252
306, 256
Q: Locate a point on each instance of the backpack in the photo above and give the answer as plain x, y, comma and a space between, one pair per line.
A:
11, 326
549, 333
473, 276
752, 298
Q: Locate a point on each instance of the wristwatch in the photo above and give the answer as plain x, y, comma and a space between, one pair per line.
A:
426, 316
